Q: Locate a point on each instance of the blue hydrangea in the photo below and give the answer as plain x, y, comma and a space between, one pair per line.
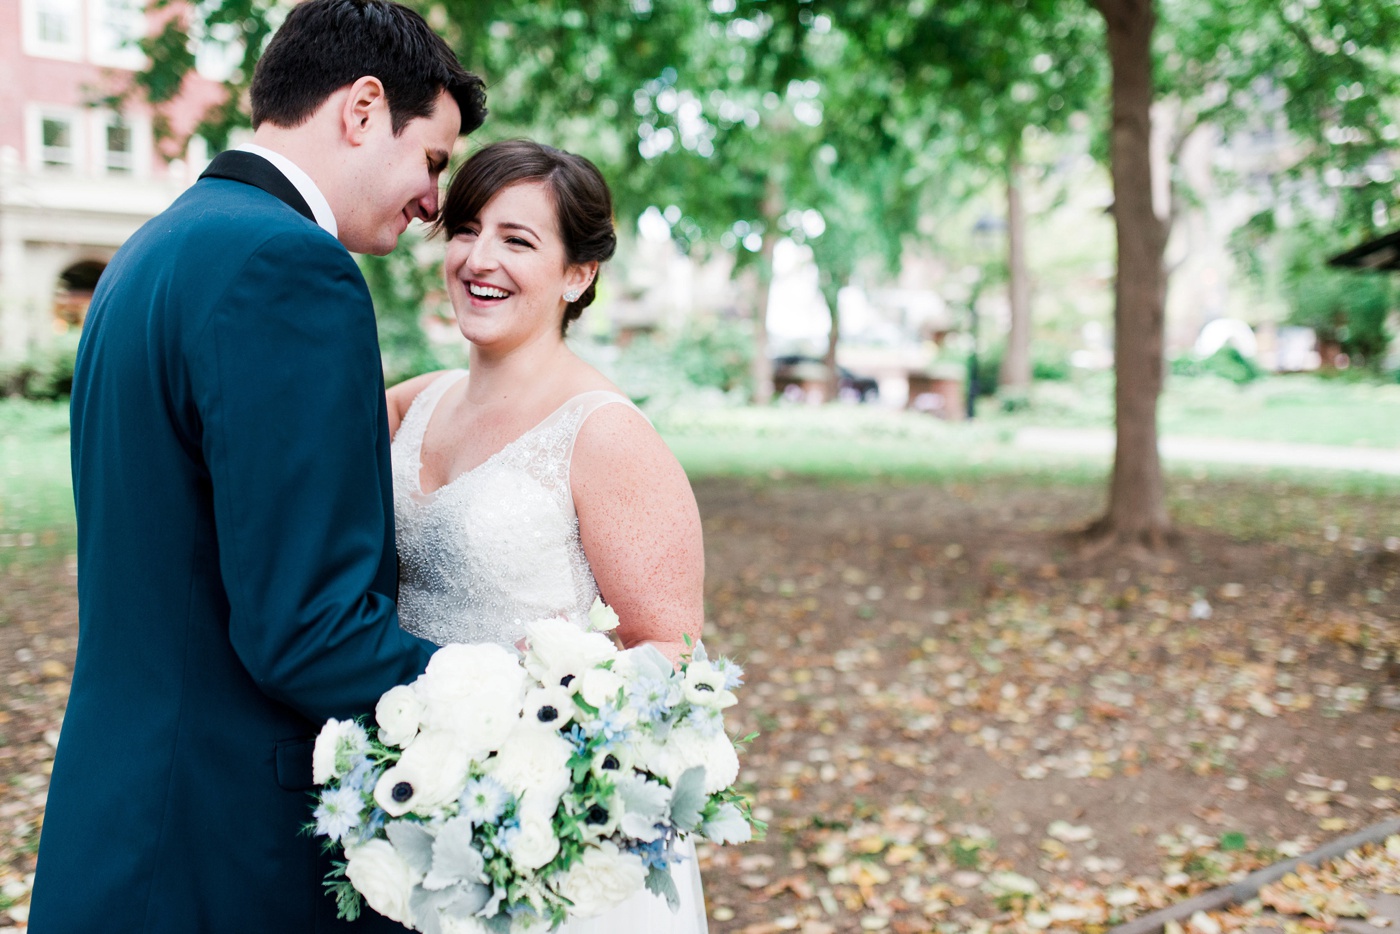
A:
483, 800
338, 813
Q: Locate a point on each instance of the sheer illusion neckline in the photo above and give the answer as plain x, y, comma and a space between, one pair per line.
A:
430, 406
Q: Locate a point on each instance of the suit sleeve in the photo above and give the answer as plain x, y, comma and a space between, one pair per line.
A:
289, 387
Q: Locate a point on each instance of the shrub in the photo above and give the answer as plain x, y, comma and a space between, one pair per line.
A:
47, 373
1226, 363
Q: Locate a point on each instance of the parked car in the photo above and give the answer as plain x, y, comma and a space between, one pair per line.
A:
794, 375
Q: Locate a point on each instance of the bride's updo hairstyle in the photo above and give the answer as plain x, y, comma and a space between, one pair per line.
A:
582, 202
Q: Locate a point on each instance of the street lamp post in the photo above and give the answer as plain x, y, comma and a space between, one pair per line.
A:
983, 235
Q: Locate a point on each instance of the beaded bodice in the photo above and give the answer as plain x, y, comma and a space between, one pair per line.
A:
497, 547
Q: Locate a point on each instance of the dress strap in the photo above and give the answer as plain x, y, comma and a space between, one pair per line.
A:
585, 404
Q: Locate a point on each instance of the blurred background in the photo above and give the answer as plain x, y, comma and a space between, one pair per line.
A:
1033, 361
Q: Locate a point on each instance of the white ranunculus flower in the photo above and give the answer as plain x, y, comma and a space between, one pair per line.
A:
429, 774
599, 687
600, 879
399, 714
339, 744
533, 844
534, 767
474, 691
559, 648
704, 686
685, 748
382, 876
601, 617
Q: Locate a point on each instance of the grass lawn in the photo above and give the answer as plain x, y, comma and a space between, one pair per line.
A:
842, 443
36, 487
1296, 409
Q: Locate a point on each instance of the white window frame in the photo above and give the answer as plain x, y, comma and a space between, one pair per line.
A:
141, 144
105, 46
35, 44
35, 115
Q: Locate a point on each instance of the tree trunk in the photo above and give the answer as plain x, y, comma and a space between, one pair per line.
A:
1015, 374
831, 289
1136, 503
762, 369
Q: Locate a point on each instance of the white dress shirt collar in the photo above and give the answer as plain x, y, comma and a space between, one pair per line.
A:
320, 207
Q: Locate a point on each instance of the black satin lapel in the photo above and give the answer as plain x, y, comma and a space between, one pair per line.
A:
254, 170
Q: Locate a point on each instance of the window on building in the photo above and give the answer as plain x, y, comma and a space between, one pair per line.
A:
115, 28
52, 28
58, 142
121, 147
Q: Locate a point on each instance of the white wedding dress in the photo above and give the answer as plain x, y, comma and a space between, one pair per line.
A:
498, 547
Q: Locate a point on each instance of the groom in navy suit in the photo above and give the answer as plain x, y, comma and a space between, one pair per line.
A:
236, 562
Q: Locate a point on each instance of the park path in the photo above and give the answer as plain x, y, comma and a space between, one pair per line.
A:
1100, 441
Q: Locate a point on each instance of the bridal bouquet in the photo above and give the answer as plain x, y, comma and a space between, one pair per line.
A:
502, 793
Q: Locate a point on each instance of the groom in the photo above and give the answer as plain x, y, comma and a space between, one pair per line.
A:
236, 563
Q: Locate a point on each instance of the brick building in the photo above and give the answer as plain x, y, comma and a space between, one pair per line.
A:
76, 179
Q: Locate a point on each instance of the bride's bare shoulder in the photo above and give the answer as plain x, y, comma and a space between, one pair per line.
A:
401, 395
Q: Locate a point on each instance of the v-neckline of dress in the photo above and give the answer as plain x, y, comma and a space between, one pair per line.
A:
419, 493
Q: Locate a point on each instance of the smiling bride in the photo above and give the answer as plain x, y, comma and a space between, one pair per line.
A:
529, 486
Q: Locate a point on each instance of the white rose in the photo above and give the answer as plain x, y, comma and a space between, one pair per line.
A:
338, 745
429, 774
599, 687
533, 844
381, 875
558, 648
474, 691
600, 879
534, 767
399, 714
685, 748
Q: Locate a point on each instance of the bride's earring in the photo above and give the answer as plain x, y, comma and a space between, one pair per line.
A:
571, 296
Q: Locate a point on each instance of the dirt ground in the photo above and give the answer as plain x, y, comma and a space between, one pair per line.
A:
965, 725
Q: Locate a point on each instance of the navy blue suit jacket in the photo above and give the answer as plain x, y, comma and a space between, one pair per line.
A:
236, 569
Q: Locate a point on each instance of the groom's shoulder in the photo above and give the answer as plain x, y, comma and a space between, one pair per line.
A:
227, 218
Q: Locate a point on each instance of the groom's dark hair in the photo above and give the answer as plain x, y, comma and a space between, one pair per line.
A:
326, 44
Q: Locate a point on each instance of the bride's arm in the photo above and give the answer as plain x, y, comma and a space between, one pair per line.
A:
640, 529
400, 397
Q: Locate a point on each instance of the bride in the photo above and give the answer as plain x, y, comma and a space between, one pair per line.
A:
530, 486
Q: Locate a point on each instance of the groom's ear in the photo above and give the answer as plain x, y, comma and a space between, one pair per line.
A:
364, 107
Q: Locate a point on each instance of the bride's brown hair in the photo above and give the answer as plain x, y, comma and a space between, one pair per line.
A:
582, 201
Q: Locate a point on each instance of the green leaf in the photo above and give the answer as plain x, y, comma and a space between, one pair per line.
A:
688, 799
659, 882
413, 842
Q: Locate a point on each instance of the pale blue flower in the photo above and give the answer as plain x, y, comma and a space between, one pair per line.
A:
733, 673
707, 721
338, 813
659, 853
610, 724
484, 800
653, 698
372, 825
362, 775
